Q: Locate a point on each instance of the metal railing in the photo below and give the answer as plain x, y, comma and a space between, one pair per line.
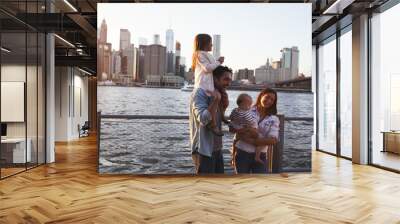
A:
152, 142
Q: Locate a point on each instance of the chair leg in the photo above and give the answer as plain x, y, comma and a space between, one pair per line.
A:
270, 158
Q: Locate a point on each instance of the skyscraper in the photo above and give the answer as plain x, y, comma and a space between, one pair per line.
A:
169, 40
136, 75
152, 60
216, 46
129, 52
245, 74
104, 55
182, 66
124, 65
177, 57
156, 39
290, 61
116, 62
103, 32
104, 61
124, 39
295, 63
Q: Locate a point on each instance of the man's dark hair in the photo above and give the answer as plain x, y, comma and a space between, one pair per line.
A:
220, 70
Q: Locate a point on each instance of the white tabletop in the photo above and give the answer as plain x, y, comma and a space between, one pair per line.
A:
13, 140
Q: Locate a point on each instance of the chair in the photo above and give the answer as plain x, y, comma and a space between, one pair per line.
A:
84, 130
270, 158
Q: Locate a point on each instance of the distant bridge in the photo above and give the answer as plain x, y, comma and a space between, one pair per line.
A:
294, 85
300, 83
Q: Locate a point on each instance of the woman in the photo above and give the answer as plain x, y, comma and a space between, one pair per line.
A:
265, 112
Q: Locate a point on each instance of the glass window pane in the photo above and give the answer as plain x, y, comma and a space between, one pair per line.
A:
327, 96
13, 87
31, 97
346, 94
41, 98
385, 86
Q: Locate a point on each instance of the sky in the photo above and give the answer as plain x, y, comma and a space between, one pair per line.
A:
250, 32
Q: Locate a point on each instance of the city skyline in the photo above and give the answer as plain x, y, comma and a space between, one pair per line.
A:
233, 55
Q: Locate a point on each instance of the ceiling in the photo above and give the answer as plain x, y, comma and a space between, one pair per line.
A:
76, 21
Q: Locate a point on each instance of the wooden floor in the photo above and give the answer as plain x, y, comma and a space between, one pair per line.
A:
70, 191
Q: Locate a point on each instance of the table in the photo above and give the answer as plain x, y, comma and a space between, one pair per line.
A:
391, 141
13, 150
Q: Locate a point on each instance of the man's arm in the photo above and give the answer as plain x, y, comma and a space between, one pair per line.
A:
202, 110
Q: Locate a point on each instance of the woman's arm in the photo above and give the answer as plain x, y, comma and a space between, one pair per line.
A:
265, 141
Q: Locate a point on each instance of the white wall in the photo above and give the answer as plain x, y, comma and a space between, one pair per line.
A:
71, 94
62, 82
10, 73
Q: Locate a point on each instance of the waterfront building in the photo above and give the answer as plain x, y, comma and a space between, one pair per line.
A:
216, 46
170, 44
130, 54
178, 58
103, 32
104, 57
245, 74
189, 76
156, 39
290, 60
153, 60
125, 39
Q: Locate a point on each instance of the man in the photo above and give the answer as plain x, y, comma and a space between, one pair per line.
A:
206, 146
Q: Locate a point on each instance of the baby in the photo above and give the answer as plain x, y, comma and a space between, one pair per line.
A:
242, 117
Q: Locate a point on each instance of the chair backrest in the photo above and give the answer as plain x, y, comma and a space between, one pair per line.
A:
278, 148
86, 125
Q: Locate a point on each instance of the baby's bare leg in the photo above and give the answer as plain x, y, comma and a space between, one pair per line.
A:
234, 150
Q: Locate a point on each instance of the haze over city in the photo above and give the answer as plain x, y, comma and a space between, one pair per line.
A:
250, 33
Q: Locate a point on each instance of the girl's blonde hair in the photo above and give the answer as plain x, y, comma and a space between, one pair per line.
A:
201, 41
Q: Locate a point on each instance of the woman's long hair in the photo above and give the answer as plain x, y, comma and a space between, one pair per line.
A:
201, 41
269, 111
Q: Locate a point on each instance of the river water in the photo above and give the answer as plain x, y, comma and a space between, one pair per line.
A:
162, 146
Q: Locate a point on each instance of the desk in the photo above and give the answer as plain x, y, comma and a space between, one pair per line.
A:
15, 148
391, 141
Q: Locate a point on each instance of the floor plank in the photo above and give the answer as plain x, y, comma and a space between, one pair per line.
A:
71, 191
